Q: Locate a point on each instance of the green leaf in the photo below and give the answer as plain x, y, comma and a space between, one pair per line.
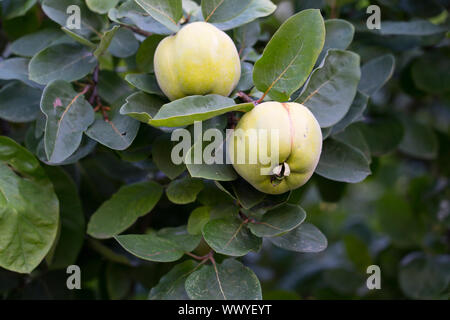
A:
101, 6
124, 44
230, 14
338, 35
424, 276
72, 219
341, 162
198, 218
118, 281
105, 41
68, 115
184, 190
123, 209
230, 280
230, 236
246, 194
57, 11
246, 81
187, 110
171, 285
411, 28
87, 146
117, 132
290, 55
78, 38
354, 114
145, 82
150, 247
375, 74
130, 13
354, 138
358, 252
209, 169
16, 8
332, 87
67, 62
383, 135
278, 221
396, 218
146, 52
19, 103
142, 106
28, 207
167, 12
247, 35
16, 69
111, 87
161, 155
32, 43
181, 237
431, 72
419, 140
305, 238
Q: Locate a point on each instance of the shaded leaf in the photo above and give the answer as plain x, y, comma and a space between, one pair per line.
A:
171, 285
198, 218
375, 74
145, 82
161, 155
419, 140
332, 87
341, 162
123, 209
19, 103
123, 43
116, 132
167, 12
67, 62
230, 236
305, 238
68, 115
72, 219
142, 106
230, 281
184, 190
338, 35
279, 220
230, 14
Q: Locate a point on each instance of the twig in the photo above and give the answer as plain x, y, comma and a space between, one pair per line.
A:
245, 97
137, 30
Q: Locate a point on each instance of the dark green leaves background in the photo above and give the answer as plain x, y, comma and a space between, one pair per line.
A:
86, 176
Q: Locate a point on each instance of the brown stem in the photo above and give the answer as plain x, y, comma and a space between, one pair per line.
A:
245, 97
207, 256
137, 30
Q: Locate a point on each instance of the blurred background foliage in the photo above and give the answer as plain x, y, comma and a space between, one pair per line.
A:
398, 218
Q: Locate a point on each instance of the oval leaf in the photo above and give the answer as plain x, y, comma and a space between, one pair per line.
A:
305, 238
230, 280
28, 207
290, 55
187, 110
68, 62
332, 87
230, 236
68, 115
278, 221
123, 209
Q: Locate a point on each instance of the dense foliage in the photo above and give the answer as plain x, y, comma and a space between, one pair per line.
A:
86, 176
